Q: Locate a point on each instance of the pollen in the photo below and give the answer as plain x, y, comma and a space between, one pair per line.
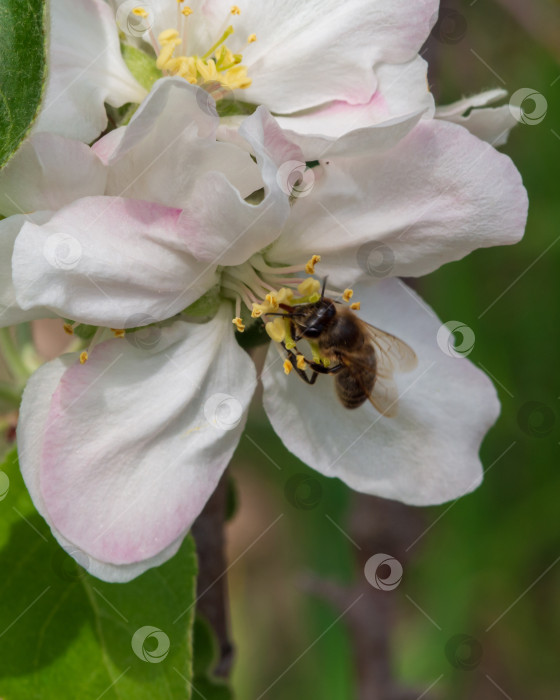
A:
140, 12
301, 361
235, 10
118, 332
276, 329
252, 38
238, 323
310, 265
355, 306
68, 328
308, 287
83, 357
272, 299
347, 294
288, 366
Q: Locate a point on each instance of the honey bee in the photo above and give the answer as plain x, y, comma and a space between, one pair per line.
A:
362, 358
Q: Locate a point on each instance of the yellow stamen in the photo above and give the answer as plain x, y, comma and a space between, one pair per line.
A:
252, 38
310, 266
301, 362
238, 323
68, 328
228, 32
272, 299
309, 286
347, 294
285, 295
168, 35
118, 332
83, 357
276, 329
355, 306
186, 11
288, 366
235, 10
140, 12
289, 342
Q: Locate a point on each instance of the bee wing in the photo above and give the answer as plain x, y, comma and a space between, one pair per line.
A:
392, 355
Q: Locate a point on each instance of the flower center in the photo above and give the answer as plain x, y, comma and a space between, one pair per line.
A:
265, 291
218, 65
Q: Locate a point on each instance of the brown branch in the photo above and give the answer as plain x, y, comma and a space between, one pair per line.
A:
212, 603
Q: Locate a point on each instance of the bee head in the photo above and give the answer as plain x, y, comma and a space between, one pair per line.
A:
315, 317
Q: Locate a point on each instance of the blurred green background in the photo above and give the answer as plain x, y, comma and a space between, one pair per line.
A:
494, 551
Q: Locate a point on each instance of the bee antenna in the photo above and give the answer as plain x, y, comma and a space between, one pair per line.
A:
324, 286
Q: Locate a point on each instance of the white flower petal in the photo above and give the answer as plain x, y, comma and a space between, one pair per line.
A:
228, 231
86, 70
402, 90
491, 124
311, 53
48, 172
436, 196
133, 442
104, 260
428, 453
170, 144
10, 311
33, 418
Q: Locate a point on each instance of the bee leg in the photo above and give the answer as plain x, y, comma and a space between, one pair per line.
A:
300, 372
321, 369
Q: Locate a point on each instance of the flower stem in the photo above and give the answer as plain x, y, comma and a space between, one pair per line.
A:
12, 356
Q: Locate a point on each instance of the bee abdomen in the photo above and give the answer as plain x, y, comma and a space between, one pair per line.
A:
353, 392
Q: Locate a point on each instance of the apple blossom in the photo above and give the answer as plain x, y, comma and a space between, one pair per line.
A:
357, 61
122, 446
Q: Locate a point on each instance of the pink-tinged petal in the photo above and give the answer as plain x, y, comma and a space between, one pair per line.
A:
133, 442
49, 172
31, 426
428, 453
86, 70
436, 196
311, 53
226, 230
491, 124
10, 311
170, 145
461, 107
104, 260
402, 91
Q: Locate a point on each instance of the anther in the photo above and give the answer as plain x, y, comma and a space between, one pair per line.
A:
288, 366
309, 286
235, 10
186, 11
252, 38
276, 329
301, 362
347, 294
140, 12
68, 328
83, 357
238, 323
310, 265
118, 332
355, 306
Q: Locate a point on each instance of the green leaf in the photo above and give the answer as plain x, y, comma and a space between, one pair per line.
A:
67, 634
24, 70
205, 646
142, 66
